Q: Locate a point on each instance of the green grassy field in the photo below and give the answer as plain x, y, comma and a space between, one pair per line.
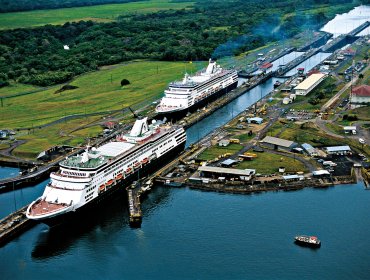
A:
15, 88
100, 13
97, 91
267, 163
215, 151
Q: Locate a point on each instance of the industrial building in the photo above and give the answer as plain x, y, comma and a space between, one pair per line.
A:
311, 151
338, 150
309, 84
278, 143
350, 129
227, 173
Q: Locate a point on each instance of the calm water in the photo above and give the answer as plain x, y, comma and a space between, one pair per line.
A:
7, 172
189, 234
309, 63
345, 23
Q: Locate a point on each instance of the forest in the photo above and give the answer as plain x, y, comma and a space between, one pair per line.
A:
37, 55
29, 5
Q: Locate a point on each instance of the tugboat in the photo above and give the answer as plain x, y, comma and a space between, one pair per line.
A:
310, 241
277, 84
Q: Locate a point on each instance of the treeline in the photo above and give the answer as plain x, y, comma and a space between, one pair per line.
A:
28, 5
213, 28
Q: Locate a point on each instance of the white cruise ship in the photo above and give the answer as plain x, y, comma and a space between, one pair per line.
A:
193, 91
86, 178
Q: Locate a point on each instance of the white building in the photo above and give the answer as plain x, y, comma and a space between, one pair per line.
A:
361, 95
309, 84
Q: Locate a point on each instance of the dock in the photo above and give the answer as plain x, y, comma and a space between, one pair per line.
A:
14, 224
134, 205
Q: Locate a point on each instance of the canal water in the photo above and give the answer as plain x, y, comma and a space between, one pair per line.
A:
6, 172
188, 234
346, 22
309, 63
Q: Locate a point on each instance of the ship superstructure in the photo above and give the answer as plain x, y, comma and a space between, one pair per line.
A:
192, 90
86, 177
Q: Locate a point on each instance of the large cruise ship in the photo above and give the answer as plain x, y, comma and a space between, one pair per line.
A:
193, 91
86, 178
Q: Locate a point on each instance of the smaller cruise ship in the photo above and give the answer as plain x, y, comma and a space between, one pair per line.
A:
87, 178
193, 91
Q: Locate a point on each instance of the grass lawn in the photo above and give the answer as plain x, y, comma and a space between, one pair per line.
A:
41, 139
15, 88
215, 151
97, 91
99, 13
267, 163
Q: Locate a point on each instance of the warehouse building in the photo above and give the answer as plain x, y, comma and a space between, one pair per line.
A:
338, 150
227, 173
278, 143
309, 84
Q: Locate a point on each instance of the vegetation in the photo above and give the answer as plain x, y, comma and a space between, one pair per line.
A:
101, 13
274, 162
26, 5
217, 151
36, 56
96, 92
125, 82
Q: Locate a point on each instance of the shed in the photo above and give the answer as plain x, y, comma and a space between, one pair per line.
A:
311, 151
228, 162
309, 84
338, 150
278, 143
350, 129
255, 120
224, 143
293, 177
320, 173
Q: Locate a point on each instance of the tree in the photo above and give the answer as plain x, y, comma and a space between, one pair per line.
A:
361, 76
125, 82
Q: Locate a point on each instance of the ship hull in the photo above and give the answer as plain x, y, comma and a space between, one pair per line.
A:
118, 188
178, 114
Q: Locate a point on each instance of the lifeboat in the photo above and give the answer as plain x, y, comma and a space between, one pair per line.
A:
129, 170
137, 164
110, 182
119, 176
145, 160
102, 188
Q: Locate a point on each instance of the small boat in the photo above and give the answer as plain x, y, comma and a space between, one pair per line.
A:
102, 188
137, 164
145, 160
277, 84
305, 240
119, 176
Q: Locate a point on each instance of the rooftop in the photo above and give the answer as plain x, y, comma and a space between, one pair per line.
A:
362, 90
310, 81
277, 141
338, 148
240, 172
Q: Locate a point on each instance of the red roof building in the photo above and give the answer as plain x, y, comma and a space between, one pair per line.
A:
361, 94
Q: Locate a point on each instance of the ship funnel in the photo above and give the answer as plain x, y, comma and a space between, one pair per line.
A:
140, 127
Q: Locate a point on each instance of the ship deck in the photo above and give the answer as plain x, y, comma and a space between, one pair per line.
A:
43, 207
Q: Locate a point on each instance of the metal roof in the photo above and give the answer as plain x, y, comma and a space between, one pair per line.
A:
320, 172
228, 162
277, 141
310, 81
291, 177
233, 171
307, 147
338, 148
349, 128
